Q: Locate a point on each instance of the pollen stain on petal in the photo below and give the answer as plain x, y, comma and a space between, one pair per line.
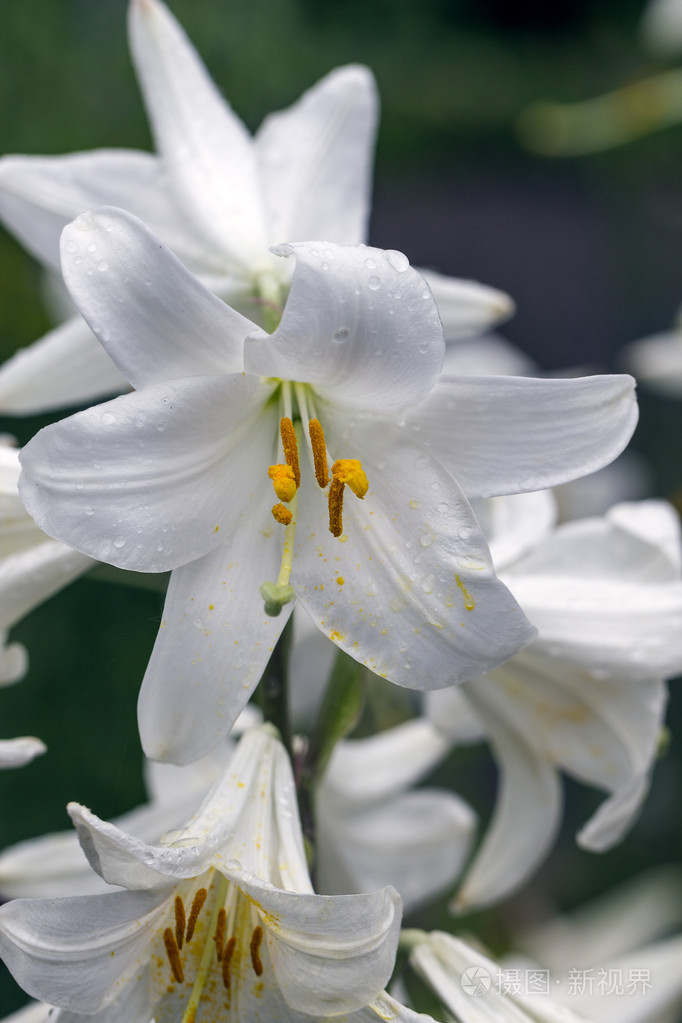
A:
468, 599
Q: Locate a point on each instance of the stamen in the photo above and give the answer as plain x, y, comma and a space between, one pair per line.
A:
288, 434
350, 472
256, 939
228, 952
345, 472
179, 921
282, 514
219, 936
283, 480
173, 954
319, 447
197, 903
336, 507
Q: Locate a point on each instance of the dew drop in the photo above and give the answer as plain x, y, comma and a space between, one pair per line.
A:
371, 264
119, 541
340, 335
88, 510
102, 266
373, 283
398, 260
92, 247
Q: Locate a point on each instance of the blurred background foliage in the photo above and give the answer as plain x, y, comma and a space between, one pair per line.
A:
589, 247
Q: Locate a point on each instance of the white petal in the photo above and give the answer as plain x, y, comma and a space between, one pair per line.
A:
515, 524
515, 434
79, 953
39, 195
330, 954
409, 588
31, 576
34, 1012
467, 307
214, 643
151, 314
207, 151
451, 712
13, 662
316, 160
147, 481
487, 356
655, 522
615, 816
527, 810
359, 325
67, 366
416, 842
380, 766
17, 752
386, 1008
657, 361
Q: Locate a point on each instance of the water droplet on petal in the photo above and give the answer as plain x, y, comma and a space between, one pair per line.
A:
371, 264
119, 541
398, 260
102, 266
341, 335
373, 283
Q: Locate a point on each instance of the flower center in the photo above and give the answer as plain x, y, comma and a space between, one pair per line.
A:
286, 479
209, 950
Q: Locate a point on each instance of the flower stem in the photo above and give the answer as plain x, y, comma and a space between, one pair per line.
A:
274, 687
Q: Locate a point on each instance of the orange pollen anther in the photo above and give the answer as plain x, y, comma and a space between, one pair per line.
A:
179, 921
288, 435
282, 514
319, 447
346, 472
220, 930
283, 481
256, 939
173, 953
197, 903
228, 952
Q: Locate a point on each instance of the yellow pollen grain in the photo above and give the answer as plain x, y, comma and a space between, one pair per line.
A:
228, 952
350, 472
179, 921
317, 442
173, 954
197, 903
468, 599
340, 580
283, 480
282, 514
219, 936
256, 939
288, 434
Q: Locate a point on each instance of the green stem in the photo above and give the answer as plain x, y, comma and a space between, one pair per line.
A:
274, 687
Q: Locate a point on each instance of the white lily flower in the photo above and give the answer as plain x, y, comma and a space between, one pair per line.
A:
657, 360
369, 830
221, 914
217, 197
175, 475
17, 752
588, 697
466, 981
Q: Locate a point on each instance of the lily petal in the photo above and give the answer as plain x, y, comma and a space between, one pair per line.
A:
31, 576
213, 605
316, 160
349, 941
164, 461
521, 433
339, 334
67, 366
153, 317
411, 582
206, 149
467, 307
527, 811
39, 195
79, 952
17, 752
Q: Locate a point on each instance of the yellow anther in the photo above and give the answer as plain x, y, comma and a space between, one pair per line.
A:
288, 434
336, 508
254, 947
197, 903
283, 480
228, 952
346, 472
220, 930
173, 953
179, 921
282, 514
319, 447
350, 472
